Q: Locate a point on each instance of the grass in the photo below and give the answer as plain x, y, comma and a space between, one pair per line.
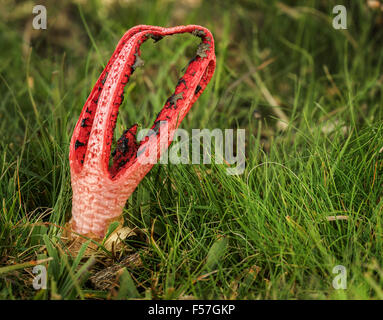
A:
265, 234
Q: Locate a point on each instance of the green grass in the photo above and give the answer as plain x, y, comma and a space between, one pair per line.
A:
264, 234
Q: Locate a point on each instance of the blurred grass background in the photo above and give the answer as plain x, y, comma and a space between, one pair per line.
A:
309, 97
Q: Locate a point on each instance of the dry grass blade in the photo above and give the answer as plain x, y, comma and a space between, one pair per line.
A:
333, 218
106, 279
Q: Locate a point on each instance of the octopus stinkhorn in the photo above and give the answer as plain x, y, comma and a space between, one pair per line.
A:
100, 190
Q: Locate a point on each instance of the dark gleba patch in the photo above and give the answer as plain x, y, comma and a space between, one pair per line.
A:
156, 128
197, 89
83, 122
199, 33
137, 63
192, 60
174, 98
155, 37
126, 143
78, 144
104, 79
182, 80
123, 143
202, 48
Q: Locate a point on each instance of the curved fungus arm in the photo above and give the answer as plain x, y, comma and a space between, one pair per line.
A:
100, 191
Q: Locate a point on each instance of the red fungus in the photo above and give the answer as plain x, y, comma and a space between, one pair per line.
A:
100, 191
